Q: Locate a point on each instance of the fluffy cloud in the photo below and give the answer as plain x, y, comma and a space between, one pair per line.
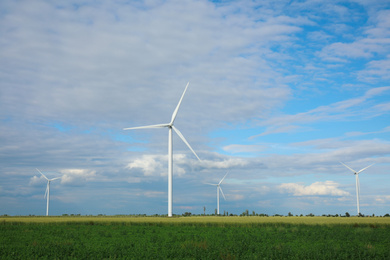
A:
327, 188
156, 165
77, 176
148, 164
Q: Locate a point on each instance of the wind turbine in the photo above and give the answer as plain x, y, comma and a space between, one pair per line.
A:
170, 145
357, 183
47, 193
219, 189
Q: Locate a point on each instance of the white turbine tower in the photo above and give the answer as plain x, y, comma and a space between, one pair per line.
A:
357, 184
47, 193
218, 190
170, 145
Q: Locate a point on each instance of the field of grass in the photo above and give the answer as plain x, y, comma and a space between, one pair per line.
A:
125, 237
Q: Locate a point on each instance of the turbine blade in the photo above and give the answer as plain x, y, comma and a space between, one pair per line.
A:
365, 168
42, 174
55, 178
178, 105
222, 192
358, 184
223, 178
211, 184
148, 126
184, 140
47, 189
348, 167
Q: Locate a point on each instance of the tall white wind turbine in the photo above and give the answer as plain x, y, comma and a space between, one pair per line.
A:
170, 145
357, 184
218, 190
47, 193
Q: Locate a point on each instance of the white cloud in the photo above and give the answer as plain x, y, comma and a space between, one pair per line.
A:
77, 176
36, 180
148, 164
156, 165
376, 41
225, 163
327, 188
376, 69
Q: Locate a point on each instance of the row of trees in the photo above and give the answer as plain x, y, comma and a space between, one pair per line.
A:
253, 213
226, 213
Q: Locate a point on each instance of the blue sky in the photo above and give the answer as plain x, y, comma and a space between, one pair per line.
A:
280, 92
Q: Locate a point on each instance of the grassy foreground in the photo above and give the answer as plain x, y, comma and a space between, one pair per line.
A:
194, 238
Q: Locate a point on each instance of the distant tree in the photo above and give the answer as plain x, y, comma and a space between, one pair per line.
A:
347, 214
387, 215
215, 212
204, 210
290, 214
186, 214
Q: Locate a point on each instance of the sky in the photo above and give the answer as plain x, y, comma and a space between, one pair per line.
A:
280, 93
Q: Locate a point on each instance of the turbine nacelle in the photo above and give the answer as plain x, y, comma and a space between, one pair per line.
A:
170, 125
357, 172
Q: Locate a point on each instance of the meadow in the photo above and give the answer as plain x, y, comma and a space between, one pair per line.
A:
125, 237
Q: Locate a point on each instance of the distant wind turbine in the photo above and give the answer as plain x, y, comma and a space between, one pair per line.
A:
47, 193
357, 183
170, 145
218, 190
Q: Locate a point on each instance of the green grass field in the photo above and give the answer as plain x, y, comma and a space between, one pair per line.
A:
125, 237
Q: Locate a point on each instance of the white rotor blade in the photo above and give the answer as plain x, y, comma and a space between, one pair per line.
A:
348, 167
223, 178
148, 126
211, 184
222, 192
365, 168
185, 141
47, 189
55, 179
358, 184
42, 174
178, 105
